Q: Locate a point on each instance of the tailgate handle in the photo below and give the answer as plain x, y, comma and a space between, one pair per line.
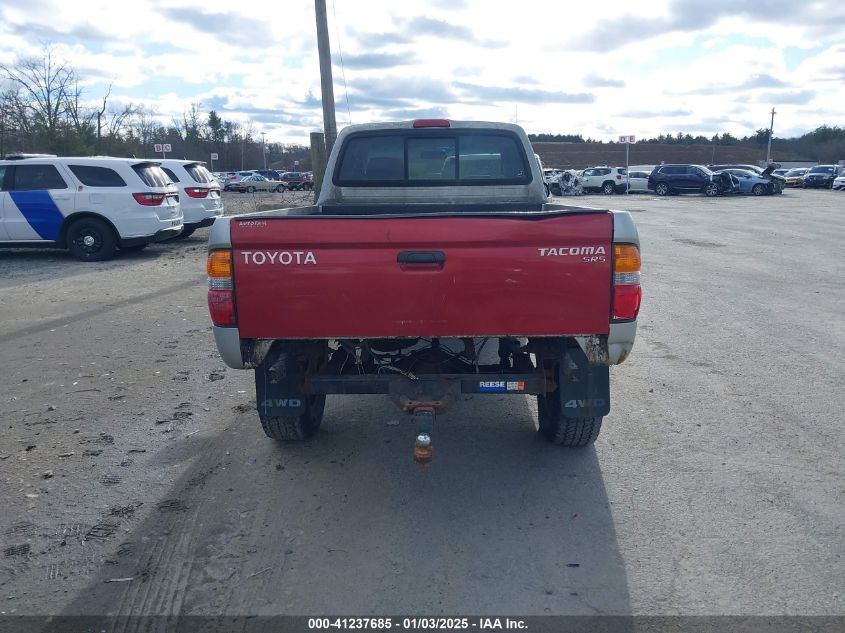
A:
421, 257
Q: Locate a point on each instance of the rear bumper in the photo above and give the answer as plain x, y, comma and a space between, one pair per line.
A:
228, 341
159, 236
201, 224
620, 341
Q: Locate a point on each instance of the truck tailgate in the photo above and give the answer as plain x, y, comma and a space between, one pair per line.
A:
374, 277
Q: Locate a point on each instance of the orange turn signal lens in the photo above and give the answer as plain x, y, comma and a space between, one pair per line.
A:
219, 263
626, 258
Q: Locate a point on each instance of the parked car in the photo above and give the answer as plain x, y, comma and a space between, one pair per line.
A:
608, 180
778, 181
839, 182
269, 174
780, 172
672, 179
257, 182
552, 178
298, 180
821, 176
201, 201
638, 181
235, 177
751, 182
795, 177
90, 206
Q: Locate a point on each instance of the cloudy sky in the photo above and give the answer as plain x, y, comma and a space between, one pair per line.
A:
596, 69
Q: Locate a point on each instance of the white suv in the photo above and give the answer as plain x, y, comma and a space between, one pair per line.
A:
91, 206
200, 199
608, 180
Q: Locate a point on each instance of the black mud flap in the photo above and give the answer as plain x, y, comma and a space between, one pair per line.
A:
278, 386
584, 388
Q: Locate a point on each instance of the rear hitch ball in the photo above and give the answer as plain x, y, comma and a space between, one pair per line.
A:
422, 450
424, 417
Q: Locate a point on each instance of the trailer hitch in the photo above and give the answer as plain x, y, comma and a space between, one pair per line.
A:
424, 419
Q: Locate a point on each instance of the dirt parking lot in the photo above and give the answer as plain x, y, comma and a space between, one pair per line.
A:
136, 479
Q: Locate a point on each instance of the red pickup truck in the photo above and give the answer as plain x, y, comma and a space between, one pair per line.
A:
432, 265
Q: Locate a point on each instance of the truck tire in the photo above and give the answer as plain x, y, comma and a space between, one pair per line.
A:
562, 431
91, 240
295, 428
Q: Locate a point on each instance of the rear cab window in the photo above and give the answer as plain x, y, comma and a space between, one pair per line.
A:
434, 158
97, 176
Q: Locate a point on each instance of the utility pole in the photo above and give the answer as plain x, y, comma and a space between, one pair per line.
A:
326, 84
264, 151
771, 129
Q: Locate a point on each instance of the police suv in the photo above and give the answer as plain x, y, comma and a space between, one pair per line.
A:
91, 205
200, 193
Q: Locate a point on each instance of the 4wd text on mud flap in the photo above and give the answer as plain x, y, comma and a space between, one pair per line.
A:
582, 404
282, 403
285, 258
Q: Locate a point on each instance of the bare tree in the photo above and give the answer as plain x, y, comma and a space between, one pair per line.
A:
46, 88
142, 122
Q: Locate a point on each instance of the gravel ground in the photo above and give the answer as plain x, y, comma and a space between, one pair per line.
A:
135, 478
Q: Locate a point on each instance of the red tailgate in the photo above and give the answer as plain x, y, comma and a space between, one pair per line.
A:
340, 277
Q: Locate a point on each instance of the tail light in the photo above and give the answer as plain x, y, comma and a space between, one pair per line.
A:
431, 123
197, 192
149, 199
627, 292
221, 297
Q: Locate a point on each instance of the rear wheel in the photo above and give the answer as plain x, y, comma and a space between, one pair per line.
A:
295, 428
661, 189
280, 189
561, 431
608, 188
91, 240
711, 189
758, 190
287, 413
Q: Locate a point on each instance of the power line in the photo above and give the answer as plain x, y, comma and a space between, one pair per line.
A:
342, 68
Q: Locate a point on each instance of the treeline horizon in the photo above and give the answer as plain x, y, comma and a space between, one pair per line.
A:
42, 111
825, 144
